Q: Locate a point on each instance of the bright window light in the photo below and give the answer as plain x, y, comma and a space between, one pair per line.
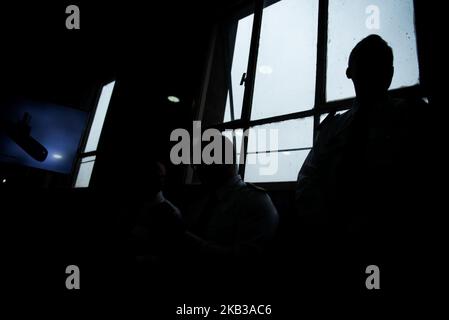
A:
350, 21
100, 115
265, 69
286, 156
285, 166
239, 66
85, 172
286, 61
87, 163
286, 72
291, 134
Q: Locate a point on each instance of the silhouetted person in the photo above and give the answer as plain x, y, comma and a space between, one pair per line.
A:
364, 164
232, 218
157, 221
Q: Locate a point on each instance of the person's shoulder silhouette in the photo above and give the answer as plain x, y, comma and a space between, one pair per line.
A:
354, 166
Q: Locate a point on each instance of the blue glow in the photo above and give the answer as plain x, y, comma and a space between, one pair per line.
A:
58, 128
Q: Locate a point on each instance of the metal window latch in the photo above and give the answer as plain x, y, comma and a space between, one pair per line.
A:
243, 79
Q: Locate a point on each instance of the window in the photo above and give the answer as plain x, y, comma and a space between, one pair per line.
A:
285, 71
240, 61
395, 25
87, 158
286, 63
85, 171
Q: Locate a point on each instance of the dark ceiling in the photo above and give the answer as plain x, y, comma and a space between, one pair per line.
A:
157, 44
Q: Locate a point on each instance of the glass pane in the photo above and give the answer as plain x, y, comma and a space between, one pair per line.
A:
100, 115
88, 159
286, 64
239, 66
85, 172
350, 21
274, 166
291, 134
237, 135
324, 115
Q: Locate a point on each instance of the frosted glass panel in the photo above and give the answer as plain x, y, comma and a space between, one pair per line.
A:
286, 64
235, 136
350, 21
100, 115
85, 172
291, 134
239, 66
324, 115
274, 166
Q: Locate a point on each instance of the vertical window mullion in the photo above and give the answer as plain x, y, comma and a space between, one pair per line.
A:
250, 78
228, 68
320, 86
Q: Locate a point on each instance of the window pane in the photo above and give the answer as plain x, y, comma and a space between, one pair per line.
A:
286, 64
324, 115
291, 134
350, 21
100, 115
239, 66
274, 166
236, 138
88, 159
85, 172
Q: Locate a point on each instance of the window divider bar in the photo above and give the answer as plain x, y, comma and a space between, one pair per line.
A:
87, 154
321, 66
280, 150
337, 105
250, 78
328, 107
207, 71
228, 68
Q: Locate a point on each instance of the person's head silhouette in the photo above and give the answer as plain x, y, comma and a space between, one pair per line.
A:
370, 68
148, 178
217, 173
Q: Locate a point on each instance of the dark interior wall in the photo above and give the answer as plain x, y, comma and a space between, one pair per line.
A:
164, 57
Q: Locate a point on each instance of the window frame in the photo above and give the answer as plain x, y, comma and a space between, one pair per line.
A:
321, 106
82, 154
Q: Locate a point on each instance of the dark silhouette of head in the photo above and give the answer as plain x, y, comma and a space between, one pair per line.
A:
148, 178
370, 68
216, 174
157, 175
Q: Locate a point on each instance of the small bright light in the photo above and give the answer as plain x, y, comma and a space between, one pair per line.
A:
4, 181
173, 99
265, 70
57, 156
